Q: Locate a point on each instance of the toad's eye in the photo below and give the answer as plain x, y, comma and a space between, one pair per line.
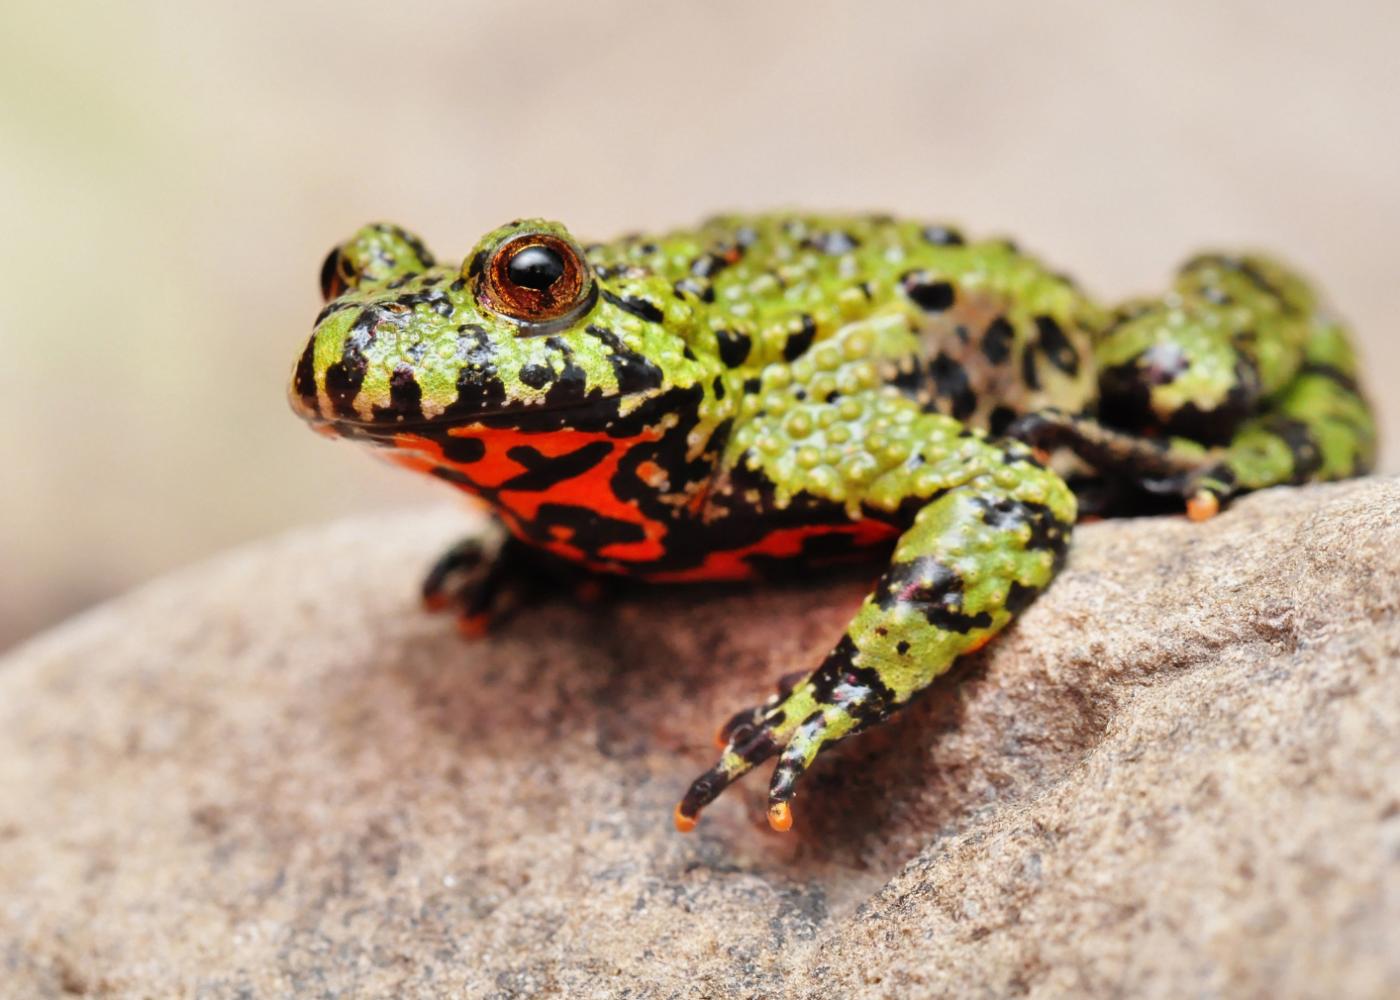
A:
533, 278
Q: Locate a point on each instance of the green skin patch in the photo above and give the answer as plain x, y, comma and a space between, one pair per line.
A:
708, 403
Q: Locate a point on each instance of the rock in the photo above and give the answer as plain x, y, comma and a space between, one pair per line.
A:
272, 775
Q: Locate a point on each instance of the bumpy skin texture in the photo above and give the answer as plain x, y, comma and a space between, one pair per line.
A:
776, 391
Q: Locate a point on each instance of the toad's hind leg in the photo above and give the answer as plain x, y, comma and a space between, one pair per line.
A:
973, 558
1317, 429
1235, 380
1320, 428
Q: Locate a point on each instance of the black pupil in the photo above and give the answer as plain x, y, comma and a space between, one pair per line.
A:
535, 267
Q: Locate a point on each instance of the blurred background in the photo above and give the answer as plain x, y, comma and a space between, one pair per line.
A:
172, 174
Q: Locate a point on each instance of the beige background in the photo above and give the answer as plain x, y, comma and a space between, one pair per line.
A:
172, 174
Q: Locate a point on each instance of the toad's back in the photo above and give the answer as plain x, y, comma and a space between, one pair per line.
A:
996, 333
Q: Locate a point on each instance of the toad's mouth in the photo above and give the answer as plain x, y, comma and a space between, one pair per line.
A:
598, 412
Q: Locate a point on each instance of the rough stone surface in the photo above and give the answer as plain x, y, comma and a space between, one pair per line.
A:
271, 775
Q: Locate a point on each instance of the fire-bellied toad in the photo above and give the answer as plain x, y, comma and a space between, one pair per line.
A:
716, 402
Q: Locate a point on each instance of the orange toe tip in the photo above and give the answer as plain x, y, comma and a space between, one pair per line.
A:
721, 739
474, 626
1203, 506
977, 644
780, 817
435, 602
1041, 455
683, 822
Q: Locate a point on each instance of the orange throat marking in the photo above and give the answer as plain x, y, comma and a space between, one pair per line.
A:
591, 489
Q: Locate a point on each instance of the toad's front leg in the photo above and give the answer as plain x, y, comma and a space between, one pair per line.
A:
974, 556
486, 581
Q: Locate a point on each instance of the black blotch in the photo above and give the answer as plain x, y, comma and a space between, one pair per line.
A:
999, 419
590, 530
911, 378
474, 345
1331, 373
304, 379
1019, 597
1298, 436
543, 473
839, 671
950, 383
930, 296
405, 396
996, 342
798, 342
569, 385
733, 347
641, 308
1046, 532
343, 380
479, 388
634, 372
718, 385
537, 376
463, 451
344, 377
933, 589
1056, 345
1028, 373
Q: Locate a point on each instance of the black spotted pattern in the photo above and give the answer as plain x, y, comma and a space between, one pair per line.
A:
799, 340
932, 588
1056, 346
950, 384
642, 308
734, 347
929, 294
997, 340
